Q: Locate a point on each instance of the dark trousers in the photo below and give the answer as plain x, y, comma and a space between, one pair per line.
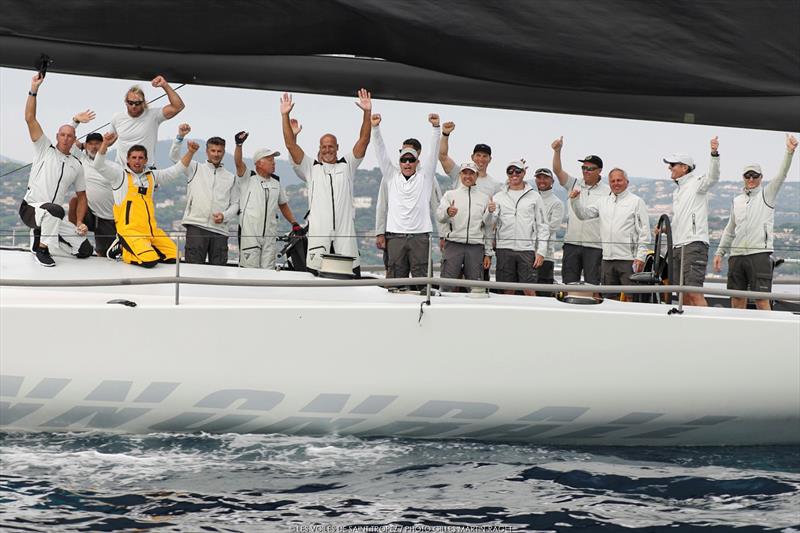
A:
407, 253
463, 258
202, 243
617, 272
544, 274
581, 259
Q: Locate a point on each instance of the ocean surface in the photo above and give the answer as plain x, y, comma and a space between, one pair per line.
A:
242, 483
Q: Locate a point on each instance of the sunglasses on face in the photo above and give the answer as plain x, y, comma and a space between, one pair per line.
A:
134, 103
513, 171
752, 176
589, 169
673, 165
408, 159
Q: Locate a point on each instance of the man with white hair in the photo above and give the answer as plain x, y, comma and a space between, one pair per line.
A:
690, 219
624, 228
138, 125
261, 196
53, 170
748, 236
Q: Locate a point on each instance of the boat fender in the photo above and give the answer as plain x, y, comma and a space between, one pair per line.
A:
120, 301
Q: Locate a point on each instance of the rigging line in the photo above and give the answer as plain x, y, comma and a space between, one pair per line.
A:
94, 130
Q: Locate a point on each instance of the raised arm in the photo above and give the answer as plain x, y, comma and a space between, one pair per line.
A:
238, 160
79, 118
365, 104
289, 133
581, 211
177, 142
384, 161
109, 170
176, 105
772, 188
711, 179
562, 175
429, 160
444, 148
34, 128
170, 173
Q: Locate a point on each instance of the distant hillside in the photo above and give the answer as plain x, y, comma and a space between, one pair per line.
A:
171, 200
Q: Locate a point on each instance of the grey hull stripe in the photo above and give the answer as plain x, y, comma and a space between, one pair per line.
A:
110, 391
10, 385
156, 392
48, 388
326, 403
373, 404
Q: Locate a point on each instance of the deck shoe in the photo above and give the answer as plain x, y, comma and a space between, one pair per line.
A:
44, 258
115, 250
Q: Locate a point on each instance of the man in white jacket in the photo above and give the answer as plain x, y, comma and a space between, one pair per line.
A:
690, 219
553, 215
331, 218
521, 233
467, 212
624, 228
260, 197
748, 236
212, 201
583, 249
408, 191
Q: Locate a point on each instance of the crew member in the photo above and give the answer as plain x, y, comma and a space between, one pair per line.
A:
521, 233
690, 219
748, 236
143, 242
553, 215
624, 228
583, 251
331, 218
261, 196
212, 202
53, 170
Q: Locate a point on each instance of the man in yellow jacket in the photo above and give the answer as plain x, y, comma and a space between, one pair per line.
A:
143, 242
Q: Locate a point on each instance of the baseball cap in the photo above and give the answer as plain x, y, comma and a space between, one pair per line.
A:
518, 164
485, 148
680, 157
264, 152
93, 137
410, 151
753, 167
545, 171
595, 160
469, 166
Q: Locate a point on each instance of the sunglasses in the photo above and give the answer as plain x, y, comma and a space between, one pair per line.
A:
752, 176
408, 159
589, 169
134, 103
514, 171
673, 165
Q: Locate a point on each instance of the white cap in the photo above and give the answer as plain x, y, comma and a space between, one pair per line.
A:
469, 166
407, 150
753, 167
680, 157
264, 152
520, 164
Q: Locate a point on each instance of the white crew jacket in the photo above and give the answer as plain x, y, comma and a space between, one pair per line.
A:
473, 216
209, 190
553, 215
690, 205
585, 232
519, 221
750, 226
624, 224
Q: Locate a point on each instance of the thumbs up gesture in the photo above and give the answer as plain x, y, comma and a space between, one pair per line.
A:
452, 210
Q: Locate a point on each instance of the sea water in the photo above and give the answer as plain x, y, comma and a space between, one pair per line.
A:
242, 483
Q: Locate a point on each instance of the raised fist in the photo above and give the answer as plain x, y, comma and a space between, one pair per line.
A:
557, 144
183, 130
240, 138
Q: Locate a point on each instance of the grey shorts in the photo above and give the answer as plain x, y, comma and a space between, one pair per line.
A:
694, 266
752, 272
515, 266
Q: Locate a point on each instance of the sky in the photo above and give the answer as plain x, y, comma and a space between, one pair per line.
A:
637, 146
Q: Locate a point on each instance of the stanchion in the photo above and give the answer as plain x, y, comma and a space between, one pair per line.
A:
178, 272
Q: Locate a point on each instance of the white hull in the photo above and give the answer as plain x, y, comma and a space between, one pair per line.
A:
361, 361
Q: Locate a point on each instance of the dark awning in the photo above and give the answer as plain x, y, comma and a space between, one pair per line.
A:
730, 63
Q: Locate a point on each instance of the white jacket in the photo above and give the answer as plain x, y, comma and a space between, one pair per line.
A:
553, 215
585, 232
473, 216
690, 205
209, 190
624, 225
519, 223
750, 226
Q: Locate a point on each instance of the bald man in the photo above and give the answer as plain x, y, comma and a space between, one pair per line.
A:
331, 219
53, 170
